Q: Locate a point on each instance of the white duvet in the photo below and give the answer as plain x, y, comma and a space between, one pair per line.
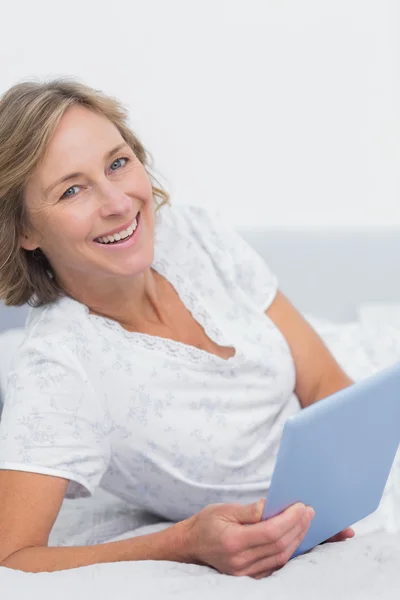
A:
368, 566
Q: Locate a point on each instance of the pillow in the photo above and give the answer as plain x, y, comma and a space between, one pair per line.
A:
9, 343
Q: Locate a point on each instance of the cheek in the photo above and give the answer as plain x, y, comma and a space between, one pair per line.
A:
149, 218
68, 228
141, 185
79, 226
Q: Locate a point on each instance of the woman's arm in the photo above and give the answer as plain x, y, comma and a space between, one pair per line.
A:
164, 545
29, 505
317, 373
218, 535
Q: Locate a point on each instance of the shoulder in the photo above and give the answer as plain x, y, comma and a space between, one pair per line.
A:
193, 227
212, 235
187, 216
47, 369
53, 335
56, 322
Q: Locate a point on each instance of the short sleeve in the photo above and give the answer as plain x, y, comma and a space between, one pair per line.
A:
52, 421
248, 270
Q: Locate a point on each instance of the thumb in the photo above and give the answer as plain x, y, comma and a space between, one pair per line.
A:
249, 513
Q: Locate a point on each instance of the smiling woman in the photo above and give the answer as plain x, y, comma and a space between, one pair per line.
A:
159, 361
41, 141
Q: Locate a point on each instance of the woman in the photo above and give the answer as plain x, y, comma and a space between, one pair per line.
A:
160, 360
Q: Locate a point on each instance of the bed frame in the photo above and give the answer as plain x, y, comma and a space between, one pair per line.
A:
329, 273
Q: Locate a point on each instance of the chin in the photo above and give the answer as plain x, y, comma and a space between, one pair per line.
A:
136, 266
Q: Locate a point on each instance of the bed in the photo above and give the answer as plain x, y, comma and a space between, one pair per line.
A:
347, 284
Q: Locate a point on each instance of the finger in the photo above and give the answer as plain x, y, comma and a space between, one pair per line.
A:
257, 553
349, 532
274, 528
248, 513
265, 566
342, 535
263, 575
335, 538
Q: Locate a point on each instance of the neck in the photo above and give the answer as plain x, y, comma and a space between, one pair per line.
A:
131, 304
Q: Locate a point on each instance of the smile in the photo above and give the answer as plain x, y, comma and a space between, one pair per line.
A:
121, 238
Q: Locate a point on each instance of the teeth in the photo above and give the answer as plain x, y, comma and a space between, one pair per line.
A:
121, 235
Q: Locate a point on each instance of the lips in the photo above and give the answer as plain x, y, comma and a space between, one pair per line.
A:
124, 239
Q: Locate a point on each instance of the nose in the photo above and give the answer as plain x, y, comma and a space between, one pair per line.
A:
113, 200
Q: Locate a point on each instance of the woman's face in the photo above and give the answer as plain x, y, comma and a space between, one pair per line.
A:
105, 190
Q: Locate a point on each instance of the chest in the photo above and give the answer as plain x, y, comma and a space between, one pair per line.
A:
189, 332
165, 399
170, 379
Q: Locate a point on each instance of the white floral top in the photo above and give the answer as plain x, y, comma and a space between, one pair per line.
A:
166, 426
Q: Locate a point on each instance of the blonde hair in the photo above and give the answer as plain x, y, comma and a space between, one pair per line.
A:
29, 114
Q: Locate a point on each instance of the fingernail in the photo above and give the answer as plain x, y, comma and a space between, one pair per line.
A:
310, 512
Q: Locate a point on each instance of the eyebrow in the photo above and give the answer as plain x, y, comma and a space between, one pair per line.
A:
74, 175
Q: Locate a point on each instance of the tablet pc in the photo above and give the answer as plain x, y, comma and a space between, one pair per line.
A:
336, 455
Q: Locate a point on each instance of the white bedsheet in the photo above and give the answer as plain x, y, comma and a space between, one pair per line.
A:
367, 566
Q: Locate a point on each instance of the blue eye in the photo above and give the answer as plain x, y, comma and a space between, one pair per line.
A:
66, 195
116, 161
119, 159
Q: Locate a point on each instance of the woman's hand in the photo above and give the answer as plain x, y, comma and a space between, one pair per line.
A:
219, 536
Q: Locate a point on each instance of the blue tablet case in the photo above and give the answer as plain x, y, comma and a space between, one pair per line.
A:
336, 456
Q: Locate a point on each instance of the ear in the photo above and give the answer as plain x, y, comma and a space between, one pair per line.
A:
28, 242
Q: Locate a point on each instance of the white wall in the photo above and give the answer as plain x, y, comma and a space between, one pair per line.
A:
282, 113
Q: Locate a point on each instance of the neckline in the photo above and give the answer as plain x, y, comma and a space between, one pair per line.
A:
174, 347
